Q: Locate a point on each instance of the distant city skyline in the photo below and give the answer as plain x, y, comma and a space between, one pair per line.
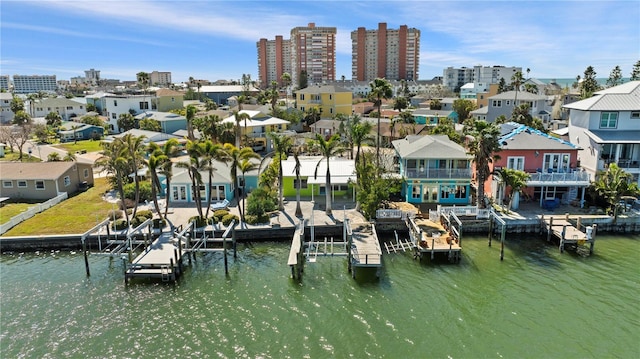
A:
215, 40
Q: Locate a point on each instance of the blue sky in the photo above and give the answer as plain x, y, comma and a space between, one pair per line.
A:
217, 39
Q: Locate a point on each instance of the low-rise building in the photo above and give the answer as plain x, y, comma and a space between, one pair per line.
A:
43, 180
67, 109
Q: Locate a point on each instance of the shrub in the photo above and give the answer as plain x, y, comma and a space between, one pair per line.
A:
114, 214
119, 224
138, 220
200, 221
219, 214
158, 223
260, 202
128, 203
145, 191
145, 213
253, 219
226, 220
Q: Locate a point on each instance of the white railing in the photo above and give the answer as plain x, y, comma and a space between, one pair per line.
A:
470, 211
395, 213
576, 176
32, 211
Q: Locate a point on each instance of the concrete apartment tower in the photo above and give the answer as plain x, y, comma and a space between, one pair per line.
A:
274, 59
393, 54
313, 49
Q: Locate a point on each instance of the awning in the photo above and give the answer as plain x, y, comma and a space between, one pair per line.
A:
614, 136
335, 180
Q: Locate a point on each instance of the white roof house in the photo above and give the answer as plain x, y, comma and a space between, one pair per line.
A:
342, 170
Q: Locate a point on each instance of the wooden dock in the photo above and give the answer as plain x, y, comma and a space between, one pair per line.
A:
432, 237
162, 259
364, 248
567, 233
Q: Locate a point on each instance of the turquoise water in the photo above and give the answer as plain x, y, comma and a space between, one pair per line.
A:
537, 303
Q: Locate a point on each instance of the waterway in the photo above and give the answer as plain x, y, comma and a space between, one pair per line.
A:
537, 303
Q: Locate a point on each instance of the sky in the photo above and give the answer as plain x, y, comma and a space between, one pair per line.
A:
217, 39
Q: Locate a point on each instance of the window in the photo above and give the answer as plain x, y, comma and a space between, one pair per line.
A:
635, 114
173, 99
609, 120
113, 116
144, 105
303, 183
40, 185
67, 181
115, 102
415, 192
302, 96
7, 184
86, 173
508, 102
22, 184
515, 163
69, 107
497, 103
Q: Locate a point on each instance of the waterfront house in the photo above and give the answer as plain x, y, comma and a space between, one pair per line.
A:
6, 115
167, 100
159, 138
79, 131
342, 171
221, 94
433, 117
257, 127
434, 170
43, 180
552, 164
607, 126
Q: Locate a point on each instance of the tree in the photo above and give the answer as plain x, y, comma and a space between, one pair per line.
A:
16, 104
245, 166
446, 127
614, 183
53, 119
328, 148
149, 124
211, 152
114, 161
281, 145
589, 84
169, 149
435, 104
240, 116
125, 122
515, 181
296, 170
502, 85
303, 80
530, 88
54, 157
372, 187
360, 133
635, 72
42, 132
143, 80
69, 157
91, 107
463, 108
92, 120
522, 114
194, 165
210, 127
482, 146
615, 77
21, 132
156, 158
400, 103
235, 157
134, 145
312, 115
380, 89
190, 114
516, 81
285, 79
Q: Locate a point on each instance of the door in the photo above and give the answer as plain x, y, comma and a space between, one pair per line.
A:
179, 193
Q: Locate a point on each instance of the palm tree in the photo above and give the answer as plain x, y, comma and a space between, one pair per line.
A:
195, 165
483, 145
245, 166
135, 149
613, 184
239, 116
235, 156
360, 134
513, 179
190, 114
380, 89
296, 169
155, 161
114, 160
286, 81
53, 157
212, 152
281, 145
313, 116
329, 148
69, 157
169, 149
516, 81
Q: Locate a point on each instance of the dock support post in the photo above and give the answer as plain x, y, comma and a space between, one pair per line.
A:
564, 230
593, 238
579, 222
124, 266
490, 228
549, 229
224, 253
190, 254
502, 237
234, 240
86, 259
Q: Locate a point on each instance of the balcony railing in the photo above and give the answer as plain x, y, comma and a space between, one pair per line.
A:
438, 173
622, 163
570, 177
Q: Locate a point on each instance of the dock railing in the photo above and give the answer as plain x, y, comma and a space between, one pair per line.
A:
395, 214
468, 211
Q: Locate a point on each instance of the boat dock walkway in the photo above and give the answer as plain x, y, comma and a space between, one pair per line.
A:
365, 248
568, 234
161, 259
430, 236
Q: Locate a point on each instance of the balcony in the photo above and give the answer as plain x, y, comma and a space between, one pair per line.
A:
437, 173
574, 178
626, 164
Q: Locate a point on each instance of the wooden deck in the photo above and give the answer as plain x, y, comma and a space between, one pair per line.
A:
433, 237
161, 260
365, 248
567, 233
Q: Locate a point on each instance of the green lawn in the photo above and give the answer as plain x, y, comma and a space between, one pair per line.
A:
86, 145
9, 210
75, 215
13, 156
